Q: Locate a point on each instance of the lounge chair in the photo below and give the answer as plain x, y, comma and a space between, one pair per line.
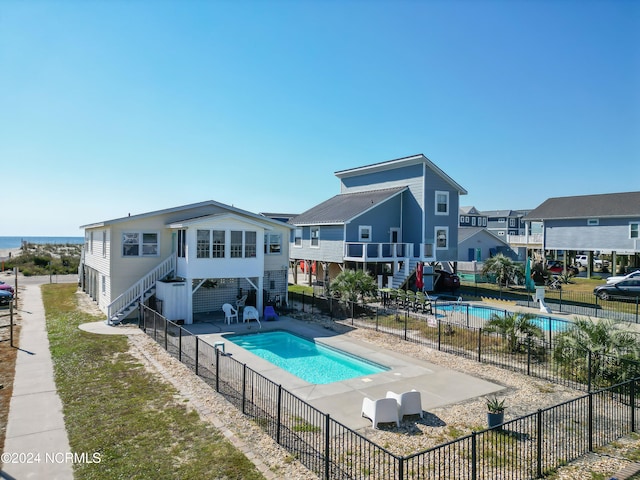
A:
384, 410
269, 313
251, 313
408, 403
423, 303
229, 313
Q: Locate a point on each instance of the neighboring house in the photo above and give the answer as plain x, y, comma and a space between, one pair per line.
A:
505, 222
477, 244
471, 217
387, 217
606, 223
193, 258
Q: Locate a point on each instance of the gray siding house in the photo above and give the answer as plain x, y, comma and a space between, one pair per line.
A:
387, 217
605, 223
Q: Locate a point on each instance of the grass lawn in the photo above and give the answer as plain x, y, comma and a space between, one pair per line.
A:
113, 406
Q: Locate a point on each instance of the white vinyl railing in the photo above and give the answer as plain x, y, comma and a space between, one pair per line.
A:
136, 291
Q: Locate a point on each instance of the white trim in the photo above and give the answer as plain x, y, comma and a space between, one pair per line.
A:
361, 229
311, 245
448, 202
435, 236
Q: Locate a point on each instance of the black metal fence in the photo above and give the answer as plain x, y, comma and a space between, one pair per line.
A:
522, 448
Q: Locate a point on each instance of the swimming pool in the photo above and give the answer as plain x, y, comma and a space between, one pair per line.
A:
312, 362
545, 323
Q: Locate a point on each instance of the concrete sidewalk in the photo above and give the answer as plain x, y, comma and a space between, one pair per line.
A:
36, 444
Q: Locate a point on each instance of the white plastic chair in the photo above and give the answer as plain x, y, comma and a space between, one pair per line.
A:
251, 313
408, 403
229, 313
241, 301
384, 410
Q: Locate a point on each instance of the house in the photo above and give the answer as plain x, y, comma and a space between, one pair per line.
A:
476, 244
387, 217
605, 223
505, 222
471, 217
191, 259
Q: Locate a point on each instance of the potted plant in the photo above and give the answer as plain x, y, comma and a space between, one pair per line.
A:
495, 411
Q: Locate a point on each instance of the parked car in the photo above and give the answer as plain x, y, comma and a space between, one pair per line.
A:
583, 261
618, 290
557, 267
6, 287
5, 297
446, 281
614, 279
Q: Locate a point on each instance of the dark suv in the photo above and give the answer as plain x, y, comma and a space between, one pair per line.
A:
446, 282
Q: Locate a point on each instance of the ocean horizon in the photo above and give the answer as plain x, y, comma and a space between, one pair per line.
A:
16, 242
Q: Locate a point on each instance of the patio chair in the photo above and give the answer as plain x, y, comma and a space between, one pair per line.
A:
251, 313
423, 303
241, 301
410, 300
384, 410
408, 403
229, 313
269, 313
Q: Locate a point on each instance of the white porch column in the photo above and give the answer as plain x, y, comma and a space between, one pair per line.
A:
189, 287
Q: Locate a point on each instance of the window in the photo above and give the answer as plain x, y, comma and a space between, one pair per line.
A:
593, 222
91, 244
272, 243
130, 244
203, 244
297, 237
633, 230
473, 221
236, 244
218, 244
104, 243
442, 203
502, 220
442, 237
149, 244
182, 243
364, 233
315, 236
104, 284
250, 242
512, 222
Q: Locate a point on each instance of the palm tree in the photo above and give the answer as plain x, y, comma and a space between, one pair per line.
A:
505, 269
512, 326
611, 352
352, 285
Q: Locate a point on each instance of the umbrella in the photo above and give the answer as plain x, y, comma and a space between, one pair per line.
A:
419, 279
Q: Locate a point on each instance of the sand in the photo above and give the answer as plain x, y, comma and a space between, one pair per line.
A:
6, 253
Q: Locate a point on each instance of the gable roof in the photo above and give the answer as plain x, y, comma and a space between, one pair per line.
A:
588, 206
465, 233
186, 209
469, 210
400, 162
344, 207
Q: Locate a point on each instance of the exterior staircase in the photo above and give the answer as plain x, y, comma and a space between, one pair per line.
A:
401, 276
123, 305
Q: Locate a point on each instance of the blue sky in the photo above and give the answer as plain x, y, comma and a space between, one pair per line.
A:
110, 108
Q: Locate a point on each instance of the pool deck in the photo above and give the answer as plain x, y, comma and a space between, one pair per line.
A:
342, 400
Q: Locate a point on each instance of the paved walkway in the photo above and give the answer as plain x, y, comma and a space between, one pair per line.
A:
36, 440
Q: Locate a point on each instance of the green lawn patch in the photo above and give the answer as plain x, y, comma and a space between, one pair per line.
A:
114, 407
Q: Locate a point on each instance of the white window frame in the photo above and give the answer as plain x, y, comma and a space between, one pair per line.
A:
437, 202
103, 284
250, 250
362, 229
593, 222
104, 244
273, 244
634, 229
436, 230
203, 246
140, 244
297, 238
316, 237
216, 251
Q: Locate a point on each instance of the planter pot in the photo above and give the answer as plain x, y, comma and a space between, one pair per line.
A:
495, 419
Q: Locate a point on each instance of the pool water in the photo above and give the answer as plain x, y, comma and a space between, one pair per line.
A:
308, 360
545, 323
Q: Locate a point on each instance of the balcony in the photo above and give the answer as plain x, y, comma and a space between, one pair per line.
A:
533, 239
386, 252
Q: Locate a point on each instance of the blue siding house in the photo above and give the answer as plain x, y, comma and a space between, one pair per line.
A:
387, 217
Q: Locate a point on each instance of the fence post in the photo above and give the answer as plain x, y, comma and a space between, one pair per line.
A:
11, 324
197, 354
313, 301
589, 372
377, 318
480, 345
539, 443
180, 344
632, 402
406, 321
217, 350
303, 296
166, 343
590, 421
327, 446
474, 456
244, 387
155, 327
528, 355
353, 309
400, 468
439, 334
279, 414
